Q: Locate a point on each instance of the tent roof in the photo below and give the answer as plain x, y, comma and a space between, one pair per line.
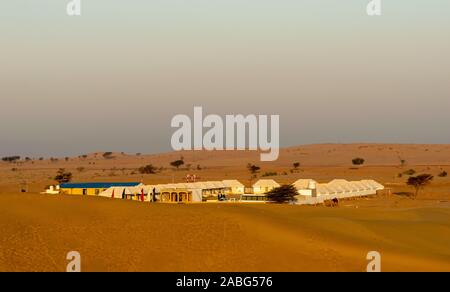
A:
98, 185
303, 183
338, 181
361, 186
232, 183
266, 183
323, 189
373, 184
214, 185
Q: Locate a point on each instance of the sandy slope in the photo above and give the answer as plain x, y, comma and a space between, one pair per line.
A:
111, 235
37, 231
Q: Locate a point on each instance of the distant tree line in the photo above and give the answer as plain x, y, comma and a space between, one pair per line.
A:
11, 158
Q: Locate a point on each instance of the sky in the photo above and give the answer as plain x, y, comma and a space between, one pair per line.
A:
113, 78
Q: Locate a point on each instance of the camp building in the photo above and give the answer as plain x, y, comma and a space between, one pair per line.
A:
92, 189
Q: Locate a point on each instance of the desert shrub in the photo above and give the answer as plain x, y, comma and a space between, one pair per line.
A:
443, 174
409, 172
269, 173
282, 194
296, 165
358, 161
62, 176
148, 169
177, 163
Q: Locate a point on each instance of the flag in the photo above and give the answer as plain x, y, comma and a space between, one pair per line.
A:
112, 196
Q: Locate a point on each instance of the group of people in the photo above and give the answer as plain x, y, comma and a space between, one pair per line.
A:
221, 197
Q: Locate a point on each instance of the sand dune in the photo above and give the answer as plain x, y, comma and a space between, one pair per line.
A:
112, 235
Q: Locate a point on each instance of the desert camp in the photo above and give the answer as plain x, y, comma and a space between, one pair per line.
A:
309, 191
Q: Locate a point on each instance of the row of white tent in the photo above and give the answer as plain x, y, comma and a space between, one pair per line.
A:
233, 186
308, 189
312, 192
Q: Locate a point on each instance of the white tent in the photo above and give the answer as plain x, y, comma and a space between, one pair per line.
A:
302, 184
234, 186
305, 187
263, 186
197, 195
119, 191
345, 186
197, 185
373, 184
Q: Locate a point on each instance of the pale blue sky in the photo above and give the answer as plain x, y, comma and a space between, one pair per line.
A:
112, 79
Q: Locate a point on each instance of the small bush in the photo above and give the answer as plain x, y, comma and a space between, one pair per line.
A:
177, 163
409, 172
443, 174
269, 174
148, 169
358, 161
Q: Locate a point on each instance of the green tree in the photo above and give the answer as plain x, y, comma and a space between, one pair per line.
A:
177, 163
11, 159
62, 176
282, 194
254, 169
419, 182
